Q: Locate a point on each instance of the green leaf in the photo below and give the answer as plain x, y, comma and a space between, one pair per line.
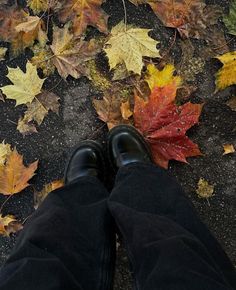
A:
230, 20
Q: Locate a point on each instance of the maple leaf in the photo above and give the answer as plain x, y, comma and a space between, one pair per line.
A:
20, 29
230, 19
14, 176
25, 85
160, 78
37, 111
190, 18
111, 110
38, 6
163, 124
71, 54
226, 76
42, 59
228, 149
3, 51
5, 150
9, 225
39, 196
82, 14
128, 45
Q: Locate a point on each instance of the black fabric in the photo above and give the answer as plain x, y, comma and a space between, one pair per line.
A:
68, 243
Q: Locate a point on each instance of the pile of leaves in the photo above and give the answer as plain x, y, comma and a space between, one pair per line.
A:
143, 88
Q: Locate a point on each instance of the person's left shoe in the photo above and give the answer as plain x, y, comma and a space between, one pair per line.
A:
86, 160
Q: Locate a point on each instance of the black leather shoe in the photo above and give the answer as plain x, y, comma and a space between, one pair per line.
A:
86, 160
126, 145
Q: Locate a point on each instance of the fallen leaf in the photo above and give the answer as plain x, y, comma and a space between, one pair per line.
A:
190, 18
109, 109
1, 97
39, 196
230, 19
37, 111
226, 76
228, 149
163, 125
126, 113
71, 54
33, 28
82, 14
5, 150
14, 176
3, 51
25, 85
232, 103
9, 225
128, 45
38, 6
204, 190
160, 78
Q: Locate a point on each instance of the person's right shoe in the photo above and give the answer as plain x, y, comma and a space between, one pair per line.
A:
126, 145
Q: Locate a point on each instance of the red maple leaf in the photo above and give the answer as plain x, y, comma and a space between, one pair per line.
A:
164, 124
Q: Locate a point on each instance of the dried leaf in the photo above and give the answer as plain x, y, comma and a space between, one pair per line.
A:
25, 85
190, 18
230, 19
70, 54
204, 190
38, 6
9, 225
163, 124
39, 196
228, 149
37, 111
129, 45
232, 103
5, 150
3, 51
126, 113
160, 78
14, 176
226, 76
82, 14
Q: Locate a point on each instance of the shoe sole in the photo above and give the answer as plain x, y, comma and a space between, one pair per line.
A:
91, 143
121, 128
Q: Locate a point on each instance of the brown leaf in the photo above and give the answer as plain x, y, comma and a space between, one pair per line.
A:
9, 225
37, 111
82, 14
228, 149
14, 176
70, 54
125, 110
39, 196
232, 103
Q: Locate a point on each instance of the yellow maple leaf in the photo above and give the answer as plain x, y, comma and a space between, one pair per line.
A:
5, 150
226, 76
160, 78
128, 45
14, 176
38, 5
25, 85
9, 225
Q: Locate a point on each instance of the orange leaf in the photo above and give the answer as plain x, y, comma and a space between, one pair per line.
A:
84, 13
14, 176
9, 225
164, 125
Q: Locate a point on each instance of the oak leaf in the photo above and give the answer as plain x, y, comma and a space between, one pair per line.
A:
14, 176
190, 18
128, 45
163, 124
37, 111
25, 85
226, 76
9, 225
39, 196
228, 149
230, 19
71, 54
5, 150
82, 14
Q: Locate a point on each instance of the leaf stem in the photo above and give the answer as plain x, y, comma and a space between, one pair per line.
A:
125, 12
5, 201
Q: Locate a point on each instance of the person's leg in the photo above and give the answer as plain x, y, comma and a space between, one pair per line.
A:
168, 246
68, 243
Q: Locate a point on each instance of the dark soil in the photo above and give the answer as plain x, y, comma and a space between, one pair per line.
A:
78, 121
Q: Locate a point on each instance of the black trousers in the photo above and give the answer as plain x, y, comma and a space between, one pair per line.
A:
69, 241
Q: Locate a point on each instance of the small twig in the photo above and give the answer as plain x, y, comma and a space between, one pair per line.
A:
5, 203
125, 11
24, 221
171, 46
216, 48
55, 85
94, 133
11, 122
